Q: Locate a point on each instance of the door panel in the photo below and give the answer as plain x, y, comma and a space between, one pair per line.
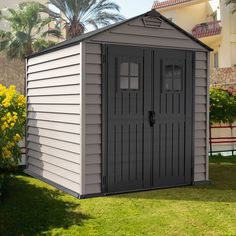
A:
172, 133
128, 103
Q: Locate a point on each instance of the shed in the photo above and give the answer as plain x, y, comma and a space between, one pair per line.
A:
120, 109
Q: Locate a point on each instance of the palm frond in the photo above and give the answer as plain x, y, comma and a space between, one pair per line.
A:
53, 32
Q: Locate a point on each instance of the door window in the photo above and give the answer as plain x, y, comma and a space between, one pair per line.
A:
129, 75
172, 78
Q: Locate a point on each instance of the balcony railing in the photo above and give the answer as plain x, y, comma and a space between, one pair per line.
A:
207, 29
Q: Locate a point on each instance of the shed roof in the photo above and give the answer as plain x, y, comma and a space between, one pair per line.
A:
86, 36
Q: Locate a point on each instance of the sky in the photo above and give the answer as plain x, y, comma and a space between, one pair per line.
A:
130, 8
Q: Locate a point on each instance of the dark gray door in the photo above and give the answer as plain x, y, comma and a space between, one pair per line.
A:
128, 130
172, 132
149, 118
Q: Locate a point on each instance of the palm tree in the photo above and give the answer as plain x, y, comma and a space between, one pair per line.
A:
27, 31
78, 15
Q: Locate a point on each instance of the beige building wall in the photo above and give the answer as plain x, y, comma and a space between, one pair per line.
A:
12, 72
184, 17
188, 15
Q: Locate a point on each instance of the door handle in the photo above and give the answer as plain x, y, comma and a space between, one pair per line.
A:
152, 118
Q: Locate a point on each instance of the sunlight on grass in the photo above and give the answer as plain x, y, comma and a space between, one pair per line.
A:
31, 207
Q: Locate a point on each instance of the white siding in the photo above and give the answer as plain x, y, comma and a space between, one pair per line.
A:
53, 122
201, 152
93, 119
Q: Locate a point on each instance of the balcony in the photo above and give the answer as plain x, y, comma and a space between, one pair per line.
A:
207, 29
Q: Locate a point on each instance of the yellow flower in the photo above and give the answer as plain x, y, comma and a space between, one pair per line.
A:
21, 100
4, 125
6, 153
3, 89
6, 102
10, 145
17, 138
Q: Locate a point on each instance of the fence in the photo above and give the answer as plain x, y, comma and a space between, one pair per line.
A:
222, 139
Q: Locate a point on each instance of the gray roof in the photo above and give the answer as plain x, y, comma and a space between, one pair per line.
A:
86, 36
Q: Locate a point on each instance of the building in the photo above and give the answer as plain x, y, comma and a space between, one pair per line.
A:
120, 109
211, 21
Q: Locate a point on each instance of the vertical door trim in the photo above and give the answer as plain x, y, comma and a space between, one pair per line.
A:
193, 116
104, 119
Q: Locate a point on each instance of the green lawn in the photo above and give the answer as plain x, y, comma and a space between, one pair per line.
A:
31, 207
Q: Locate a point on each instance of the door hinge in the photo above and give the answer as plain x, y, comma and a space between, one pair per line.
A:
104, 180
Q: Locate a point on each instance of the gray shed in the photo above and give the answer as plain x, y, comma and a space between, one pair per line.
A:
120, 109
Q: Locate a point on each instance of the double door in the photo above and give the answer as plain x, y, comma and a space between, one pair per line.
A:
149, 110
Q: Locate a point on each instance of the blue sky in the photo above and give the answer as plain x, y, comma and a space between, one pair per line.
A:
130, 8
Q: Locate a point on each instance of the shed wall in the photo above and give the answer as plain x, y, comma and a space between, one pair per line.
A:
53, 122
94, 117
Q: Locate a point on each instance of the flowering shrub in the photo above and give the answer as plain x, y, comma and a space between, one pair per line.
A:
12, 123
222, 105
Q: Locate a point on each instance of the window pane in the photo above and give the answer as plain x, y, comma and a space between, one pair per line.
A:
168, 71
124, 68
133, 69
134, 83
124, 82
177, 84
177, 72
168, 84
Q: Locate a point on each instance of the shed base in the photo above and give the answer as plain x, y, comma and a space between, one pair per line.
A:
74, 194
203, 182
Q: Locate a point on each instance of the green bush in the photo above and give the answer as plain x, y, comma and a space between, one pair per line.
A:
222, 106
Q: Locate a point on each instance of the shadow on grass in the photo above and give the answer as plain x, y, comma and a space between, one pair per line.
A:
222, 189
26, 209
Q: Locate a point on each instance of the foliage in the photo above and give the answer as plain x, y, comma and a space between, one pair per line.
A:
222, 106
32, 207
78, 15
12, 123
28, 29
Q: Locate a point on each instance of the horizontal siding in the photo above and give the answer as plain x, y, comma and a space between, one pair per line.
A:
135, 33
61, 180
58, 81
64, 127
52, 151
53, 117
72, 109
59, 72
200, 116
69, 137
67, 99
57, 90
93, 119
54, 56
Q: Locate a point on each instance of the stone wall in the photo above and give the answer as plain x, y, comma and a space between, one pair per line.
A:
12, 72
225, 77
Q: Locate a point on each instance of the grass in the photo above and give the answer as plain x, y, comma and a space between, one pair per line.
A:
30, 207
